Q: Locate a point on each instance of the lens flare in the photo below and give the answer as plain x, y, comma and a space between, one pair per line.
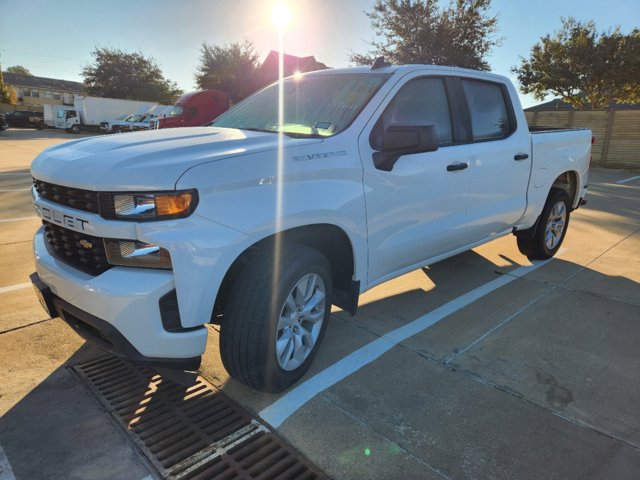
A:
281, 14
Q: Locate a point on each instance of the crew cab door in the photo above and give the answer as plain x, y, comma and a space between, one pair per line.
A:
417, 210
500, 152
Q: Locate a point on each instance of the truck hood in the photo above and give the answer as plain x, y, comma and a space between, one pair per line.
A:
149, 160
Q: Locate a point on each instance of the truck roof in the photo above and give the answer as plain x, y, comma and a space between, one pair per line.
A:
199, 93
404, 69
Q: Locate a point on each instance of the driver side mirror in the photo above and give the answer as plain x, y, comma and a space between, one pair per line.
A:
399, 140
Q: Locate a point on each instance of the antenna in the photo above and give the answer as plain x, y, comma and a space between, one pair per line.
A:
380, 63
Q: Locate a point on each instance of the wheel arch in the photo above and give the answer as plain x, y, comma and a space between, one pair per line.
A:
330, 240
568, 181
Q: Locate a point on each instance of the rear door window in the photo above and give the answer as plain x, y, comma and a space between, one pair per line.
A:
488, 111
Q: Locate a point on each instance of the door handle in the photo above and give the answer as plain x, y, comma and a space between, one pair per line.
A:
521, 156
456, 166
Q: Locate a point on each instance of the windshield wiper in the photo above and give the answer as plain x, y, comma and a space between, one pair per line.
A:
252, 129
288, 134
301, 135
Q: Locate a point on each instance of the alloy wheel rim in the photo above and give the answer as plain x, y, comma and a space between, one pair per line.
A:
555, 225
300, 321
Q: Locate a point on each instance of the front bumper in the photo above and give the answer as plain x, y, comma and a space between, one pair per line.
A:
101, 333
117, 310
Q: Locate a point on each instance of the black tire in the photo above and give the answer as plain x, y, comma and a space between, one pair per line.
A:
249, 327
75, 129
533, 242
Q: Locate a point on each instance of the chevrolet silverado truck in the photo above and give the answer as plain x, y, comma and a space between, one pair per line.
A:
274, 212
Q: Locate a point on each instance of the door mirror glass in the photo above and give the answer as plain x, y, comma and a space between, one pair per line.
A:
406, 139
398, 140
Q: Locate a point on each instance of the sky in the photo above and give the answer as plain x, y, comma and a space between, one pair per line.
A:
55, 38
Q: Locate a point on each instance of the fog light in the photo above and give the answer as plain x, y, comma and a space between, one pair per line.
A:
131, 253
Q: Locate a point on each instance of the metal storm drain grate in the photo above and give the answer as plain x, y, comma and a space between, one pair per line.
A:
193, 432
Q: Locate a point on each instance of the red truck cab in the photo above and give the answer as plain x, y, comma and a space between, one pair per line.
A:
194, 109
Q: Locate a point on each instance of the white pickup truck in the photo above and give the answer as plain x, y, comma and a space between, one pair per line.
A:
262, 220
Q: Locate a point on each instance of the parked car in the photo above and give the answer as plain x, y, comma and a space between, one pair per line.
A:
143, 122
112, 125
120, 124
261, 227
193, 109
24, 119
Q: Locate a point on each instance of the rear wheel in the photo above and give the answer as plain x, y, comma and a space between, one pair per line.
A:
544, 239
275, 318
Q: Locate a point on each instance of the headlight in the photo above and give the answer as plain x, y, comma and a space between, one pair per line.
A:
131, 253
148, 206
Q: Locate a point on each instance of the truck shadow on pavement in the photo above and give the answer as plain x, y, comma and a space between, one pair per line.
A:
59, 430
570, 348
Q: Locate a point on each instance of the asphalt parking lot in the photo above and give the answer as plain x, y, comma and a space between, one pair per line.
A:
481, 366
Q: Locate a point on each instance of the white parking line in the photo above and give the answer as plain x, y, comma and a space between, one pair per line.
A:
5, 467
15, 189
276, 413
18, 286
17, 219
13, 174
626, 180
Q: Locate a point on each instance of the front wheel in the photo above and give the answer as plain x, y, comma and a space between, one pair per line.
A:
276, 317
75, 129
544, 240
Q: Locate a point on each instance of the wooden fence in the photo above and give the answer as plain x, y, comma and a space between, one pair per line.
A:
617, 133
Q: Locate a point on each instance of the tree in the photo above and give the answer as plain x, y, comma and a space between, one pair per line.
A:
419, 31
228, 67
20, 70
119, 74
7, 93
583, 67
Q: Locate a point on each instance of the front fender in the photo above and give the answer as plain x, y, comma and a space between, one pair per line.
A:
247, 195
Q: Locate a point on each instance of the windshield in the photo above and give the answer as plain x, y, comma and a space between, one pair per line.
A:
315, 106
174, 112
133, 118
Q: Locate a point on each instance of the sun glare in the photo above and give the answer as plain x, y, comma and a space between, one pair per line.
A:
281, 14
